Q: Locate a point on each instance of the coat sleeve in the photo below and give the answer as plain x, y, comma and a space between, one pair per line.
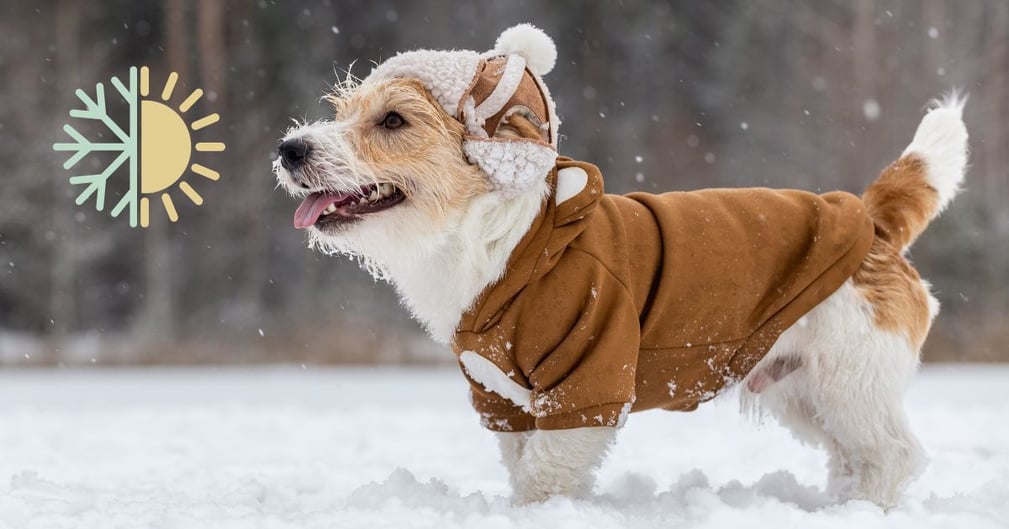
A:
577, 344
497, 413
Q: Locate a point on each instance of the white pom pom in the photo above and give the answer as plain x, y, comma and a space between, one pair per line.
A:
532, 43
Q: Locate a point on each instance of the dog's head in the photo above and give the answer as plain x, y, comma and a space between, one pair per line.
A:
416, 142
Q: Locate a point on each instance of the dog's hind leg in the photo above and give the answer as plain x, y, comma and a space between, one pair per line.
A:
846, 396
858, 395
788, 400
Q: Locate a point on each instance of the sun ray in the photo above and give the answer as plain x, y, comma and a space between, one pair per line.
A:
205, 172
191, 193
191, 100
210, 146
166, 199
145, 212
205, 121
166, 94
145, 81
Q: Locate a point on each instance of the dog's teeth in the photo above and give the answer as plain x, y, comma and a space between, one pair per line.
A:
374, 194
385, 189
329, 209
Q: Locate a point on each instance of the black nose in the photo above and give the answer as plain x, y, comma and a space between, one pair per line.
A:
293, 153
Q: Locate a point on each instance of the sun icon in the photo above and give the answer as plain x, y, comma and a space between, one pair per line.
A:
157, 143
166, 146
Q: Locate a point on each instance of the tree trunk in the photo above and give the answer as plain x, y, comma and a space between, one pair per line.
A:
157, 315
62, 293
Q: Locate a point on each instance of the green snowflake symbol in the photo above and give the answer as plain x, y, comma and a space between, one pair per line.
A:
95, 109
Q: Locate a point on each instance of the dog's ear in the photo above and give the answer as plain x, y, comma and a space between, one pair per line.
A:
518, 125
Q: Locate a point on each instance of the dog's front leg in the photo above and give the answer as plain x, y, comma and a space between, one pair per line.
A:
556, 462
512, 444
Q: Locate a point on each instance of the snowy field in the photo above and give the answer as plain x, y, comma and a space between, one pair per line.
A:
375, 448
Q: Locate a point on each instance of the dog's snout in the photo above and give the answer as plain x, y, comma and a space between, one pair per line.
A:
293, 153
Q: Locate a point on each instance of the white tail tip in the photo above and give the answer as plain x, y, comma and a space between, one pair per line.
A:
941, 141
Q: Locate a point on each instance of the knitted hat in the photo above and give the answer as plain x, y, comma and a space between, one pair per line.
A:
482, 90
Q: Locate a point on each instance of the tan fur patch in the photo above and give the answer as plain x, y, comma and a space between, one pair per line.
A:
894, 288
423, 158
901, 202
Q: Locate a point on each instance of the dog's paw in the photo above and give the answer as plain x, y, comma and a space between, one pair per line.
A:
534, 495
523, 498
545, 482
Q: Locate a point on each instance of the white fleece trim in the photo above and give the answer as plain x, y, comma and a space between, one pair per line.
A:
513, 166
487, 374
514, 69
474, 125
446, 74
553, 121
570, 182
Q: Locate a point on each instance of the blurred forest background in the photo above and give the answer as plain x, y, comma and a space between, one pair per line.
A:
817, 95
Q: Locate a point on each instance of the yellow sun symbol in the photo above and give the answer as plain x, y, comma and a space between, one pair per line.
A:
166, 146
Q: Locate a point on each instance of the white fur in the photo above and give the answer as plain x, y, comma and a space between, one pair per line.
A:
547, 463
570, 182
439, 275
511, 445
941, 140
335, 167
487, 374
847, 396
439, 270
530, 42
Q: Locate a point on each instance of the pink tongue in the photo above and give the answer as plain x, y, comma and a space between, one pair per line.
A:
313, 206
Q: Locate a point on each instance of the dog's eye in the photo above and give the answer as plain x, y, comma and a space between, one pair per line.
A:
393, 121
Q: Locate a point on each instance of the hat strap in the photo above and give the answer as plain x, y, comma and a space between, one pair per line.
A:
506, 87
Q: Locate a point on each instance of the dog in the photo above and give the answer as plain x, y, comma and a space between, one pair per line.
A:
569, 308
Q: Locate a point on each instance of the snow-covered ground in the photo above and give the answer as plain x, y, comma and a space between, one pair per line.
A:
373, 448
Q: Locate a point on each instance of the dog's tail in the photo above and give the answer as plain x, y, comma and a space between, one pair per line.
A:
918, 186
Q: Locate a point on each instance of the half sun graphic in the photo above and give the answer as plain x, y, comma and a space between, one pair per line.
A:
166, 146
159, 150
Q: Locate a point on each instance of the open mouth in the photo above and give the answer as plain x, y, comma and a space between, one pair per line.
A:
326, 208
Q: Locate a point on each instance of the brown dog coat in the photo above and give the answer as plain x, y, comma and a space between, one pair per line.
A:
612, 304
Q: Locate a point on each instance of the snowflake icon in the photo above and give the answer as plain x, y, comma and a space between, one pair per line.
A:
156, 143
